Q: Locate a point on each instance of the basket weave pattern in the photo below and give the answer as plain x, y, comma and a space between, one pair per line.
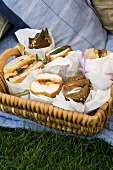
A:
49, 115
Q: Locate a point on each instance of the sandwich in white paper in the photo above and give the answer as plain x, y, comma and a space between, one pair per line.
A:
58, 52
65, 67
19, 73
16, 70
46, 84
26, 35
92, 53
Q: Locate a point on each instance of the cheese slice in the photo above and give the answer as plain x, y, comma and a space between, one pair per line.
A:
24, 62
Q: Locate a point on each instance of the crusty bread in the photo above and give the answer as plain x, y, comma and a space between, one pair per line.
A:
58, 52
47, 90
46, 76
92, 53
75, 78
77, 88
10, 69
16, 62
78, 94
46, 84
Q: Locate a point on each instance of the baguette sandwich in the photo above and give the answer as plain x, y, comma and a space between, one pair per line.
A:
92, 53
58, 52
77, 88
46, 84
17, 70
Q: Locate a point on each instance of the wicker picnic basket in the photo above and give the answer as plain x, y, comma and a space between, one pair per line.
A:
49, 115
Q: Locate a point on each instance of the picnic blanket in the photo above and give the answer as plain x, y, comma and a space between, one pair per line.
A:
84, 37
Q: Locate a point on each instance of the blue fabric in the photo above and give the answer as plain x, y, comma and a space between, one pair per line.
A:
70, 21
109, 43
12, 17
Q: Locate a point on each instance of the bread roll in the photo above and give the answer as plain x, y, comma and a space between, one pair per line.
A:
46, 84
58, 52
77, 88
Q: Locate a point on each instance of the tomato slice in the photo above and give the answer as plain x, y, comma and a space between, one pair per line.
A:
42, 82
104, 51
58, 83
23, 63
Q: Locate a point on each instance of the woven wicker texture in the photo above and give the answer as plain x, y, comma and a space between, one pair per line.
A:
49, 115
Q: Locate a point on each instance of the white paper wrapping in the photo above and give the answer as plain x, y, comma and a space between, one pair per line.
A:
99, 80
65, 67
23, 35
20, 88
104, 64
41, 98
96, 98
101, 83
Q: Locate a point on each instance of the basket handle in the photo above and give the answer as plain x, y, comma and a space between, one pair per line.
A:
112, 91
7, 54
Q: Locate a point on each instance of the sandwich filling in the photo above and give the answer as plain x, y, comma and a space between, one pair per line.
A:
48, 82
92, 53
25, 65
74, 90
58, 52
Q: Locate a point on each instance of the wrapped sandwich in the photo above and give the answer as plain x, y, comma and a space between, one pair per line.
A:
92, 53
58, 52
36, 41
46, 84
77, 88
17, 70
40, 40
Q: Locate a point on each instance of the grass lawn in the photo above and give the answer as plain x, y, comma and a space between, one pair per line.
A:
28, 150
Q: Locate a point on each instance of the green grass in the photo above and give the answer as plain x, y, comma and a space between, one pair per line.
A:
28, 150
